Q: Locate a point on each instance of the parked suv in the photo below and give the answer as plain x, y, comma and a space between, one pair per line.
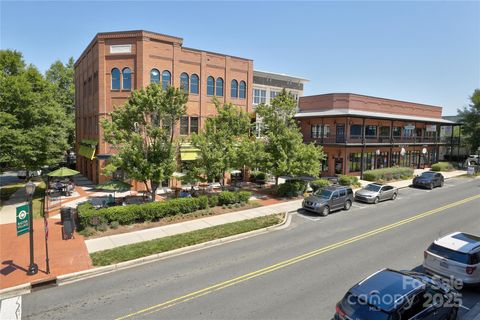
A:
456, 255
399, 295
328, 199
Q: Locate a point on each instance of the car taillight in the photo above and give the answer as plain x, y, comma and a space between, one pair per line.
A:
470, 270
340, 311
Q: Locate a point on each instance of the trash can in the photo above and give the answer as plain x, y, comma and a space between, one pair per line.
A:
68, 225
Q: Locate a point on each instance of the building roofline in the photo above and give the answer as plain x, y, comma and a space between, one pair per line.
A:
283, 75
374, 97
217, 53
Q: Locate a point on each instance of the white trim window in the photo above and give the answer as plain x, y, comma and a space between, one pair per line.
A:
259, 96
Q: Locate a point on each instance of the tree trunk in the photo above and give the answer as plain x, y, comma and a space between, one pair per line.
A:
155, 185
276, 181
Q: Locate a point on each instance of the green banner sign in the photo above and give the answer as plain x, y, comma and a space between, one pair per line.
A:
23, 223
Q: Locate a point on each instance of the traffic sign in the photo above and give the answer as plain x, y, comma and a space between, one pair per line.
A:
23, 223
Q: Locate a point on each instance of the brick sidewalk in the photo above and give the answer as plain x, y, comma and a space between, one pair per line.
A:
66, 256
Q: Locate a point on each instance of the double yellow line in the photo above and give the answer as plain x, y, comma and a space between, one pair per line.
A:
291, 261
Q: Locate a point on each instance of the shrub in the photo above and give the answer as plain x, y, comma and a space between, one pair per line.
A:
442, 166
152, 211
102, 227
114, 224
320, 183
387, 174
258, 176
88, 232
291, 188
345, 180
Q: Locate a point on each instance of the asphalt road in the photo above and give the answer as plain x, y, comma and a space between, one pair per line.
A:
295, 273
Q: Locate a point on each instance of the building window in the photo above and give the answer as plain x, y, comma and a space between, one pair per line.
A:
273, 94
184, 125
154, 76
259, 96
354, 162
115, 79
315, 131
193, 124
385, 132
370, 131
243, 89
325, 163
397, 132
184, 81
194, 84
219, 87
166, 79
355, 131
210, 86
326, 130
127, 79
234, 89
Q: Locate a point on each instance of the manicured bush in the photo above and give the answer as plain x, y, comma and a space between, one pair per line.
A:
319, 183
291, 188
388, 174
442, 166
114, 224
258, 176
152, 211
345, 180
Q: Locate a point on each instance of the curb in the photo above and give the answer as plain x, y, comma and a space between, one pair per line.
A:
86, 274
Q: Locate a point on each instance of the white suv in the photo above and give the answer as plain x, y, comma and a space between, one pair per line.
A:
455, 255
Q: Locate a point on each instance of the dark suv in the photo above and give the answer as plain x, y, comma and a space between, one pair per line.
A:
328, 199
397, 295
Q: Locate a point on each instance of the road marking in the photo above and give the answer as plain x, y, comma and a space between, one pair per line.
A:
11, 309
309, 218
283, 264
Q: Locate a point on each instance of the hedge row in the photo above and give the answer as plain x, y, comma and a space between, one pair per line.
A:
442, 166
319, 183
345, 180
387, 174
291, 188
89, 216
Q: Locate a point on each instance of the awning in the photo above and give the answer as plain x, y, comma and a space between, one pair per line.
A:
188, 152
87, 152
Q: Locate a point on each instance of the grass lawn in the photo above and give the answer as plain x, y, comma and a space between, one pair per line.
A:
7, 191
143, 249
38, 200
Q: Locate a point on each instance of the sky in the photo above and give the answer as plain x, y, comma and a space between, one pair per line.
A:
426, 52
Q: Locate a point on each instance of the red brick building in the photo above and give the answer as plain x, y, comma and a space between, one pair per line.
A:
116, 63
382, 132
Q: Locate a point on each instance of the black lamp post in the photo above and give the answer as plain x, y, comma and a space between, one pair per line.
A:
30, 188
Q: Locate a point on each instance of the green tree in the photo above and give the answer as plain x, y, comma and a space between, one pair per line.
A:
285, 152
224, 143
61, 76
33, 123
141, 131
470, 117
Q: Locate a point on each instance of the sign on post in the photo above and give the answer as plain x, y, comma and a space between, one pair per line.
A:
23, 223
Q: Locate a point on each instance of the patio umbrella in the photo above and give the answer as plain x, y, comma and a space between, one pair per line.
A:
63, 172
114, 185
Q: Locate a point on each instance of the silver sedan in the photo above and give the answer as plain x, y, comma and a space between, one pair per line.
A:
375, 192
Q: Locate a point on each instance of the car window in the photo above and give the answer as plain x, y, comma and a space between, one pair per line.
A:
335, 195
386, 188
414, 306
449, 254
349, 191
343, 193
372, 187
322, 193
475, 258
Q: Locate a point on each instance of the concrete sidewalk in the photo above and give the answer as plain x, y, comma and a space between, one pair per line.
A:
109, 242
406, 183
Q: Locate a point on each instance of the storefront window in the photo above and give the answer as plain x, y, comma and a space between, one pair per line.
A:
354, 162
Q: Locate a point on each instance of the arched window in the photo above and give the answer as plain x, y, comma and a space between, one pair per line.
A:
194, 84
219, 87
184, 81
234, 89
115, 79
243, 89
166, 79
154, 76
210, 86
127, 79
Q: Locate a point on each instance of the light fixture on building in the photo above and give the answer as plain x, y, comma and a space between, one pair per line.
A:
424, 150
402, 152
377, 152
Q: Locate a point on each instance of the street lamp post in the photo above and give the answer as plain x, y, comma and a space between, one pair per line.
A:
30, 188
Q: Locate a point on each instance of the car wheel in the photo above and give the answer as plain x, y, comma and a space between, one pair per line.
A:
376, 200
394, 196
441, 183
348, 205
325, 212
453, 314
431, 186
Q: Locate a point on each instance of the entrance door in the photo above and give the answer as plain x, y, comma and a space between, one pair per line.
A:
340, 136
338, 165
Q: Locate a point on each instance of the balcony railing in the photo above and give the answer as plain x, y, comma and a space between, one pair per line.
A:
356, 139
